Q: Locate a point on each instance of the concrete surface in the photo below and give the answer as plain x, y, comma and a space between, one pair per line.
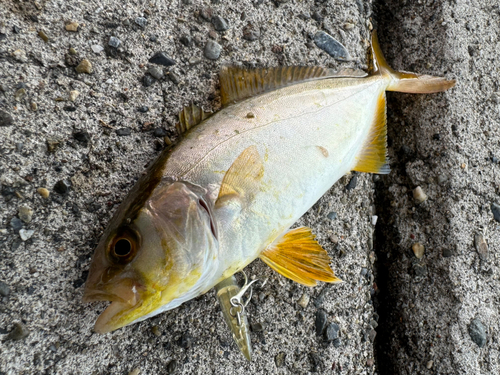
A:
45, 273
448, 144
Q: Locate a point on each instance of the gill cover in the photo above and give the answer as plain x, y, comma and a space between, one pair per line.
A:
155, 258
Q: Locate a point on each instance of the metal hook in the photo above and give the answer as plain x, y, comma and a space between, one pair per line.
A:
238, 298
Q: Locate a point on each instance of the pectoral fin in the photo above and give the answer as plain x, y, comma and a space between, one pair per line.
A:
299, 257
242, 179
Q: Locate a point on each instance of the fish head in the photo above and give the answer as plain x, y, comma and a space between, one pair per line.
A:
156, 259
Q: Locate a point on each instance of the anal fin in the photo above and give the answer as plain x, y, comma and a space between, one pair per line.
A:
373, 155
299, 257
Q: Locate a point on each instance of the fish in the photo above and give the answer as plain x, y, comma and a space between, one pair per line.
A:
231, 189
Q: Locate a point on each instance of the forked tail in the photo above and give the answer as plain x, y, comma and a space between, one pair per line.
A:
404, 81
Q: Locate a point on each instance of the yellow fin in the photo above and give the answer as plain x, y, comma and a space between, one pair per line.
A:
243, 177
404, 81
299, 257
190, 116
373, 155
237, 83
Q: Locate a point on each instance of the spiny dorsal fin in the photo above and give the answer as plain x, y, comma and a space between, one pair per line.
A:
373, 155
238, 83
242, 178
299, 257
190, 116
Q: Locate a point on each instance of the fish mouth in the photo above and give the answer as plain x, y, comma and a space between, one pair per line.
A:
124, 298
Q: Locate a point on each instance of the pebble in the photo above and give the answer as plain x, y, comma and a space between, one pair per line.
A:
161, 58
337, 342
147, 81
495, 208
251, 32
186, 340
418, 250
156, 331
82, 136
5, 119
206, 13
172, 366
481, 246
73, 94
123, 132
257, 327
44, 36
477, 332
141, 21
20, 55
174, 77
45, 193
331, 46
19, 332
62, 187
370, 362
304, 300
332, 332
16, 224
374, 220
26, 234
155, 72
135, 371
34, 106
280, 359
4, 289
114, 42
212, 50
372, 334
186, 40
160, 132
352, 183
320, 323
447, 253
96, 48
419, 195
143, 109
72, 26
220, 24
84, 67
25, 213
19, 94
429, 364
332, 215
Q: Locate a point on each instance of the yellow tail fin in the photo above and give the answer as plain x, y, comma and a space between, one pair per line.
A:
404, 81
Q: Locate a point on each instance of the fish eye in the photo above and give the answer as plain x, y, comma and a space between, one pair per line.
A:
122, 247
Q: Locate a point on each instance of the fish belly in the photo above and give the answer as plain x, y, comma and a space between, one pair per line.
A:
307, 135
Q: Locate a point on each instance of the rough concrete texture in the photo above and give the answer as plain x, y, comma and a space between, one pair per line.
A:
100, 143
448, 144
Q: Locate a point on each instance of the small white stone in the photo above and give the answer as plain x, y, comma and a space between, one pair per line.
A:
418, 250
374, 220
73, 94
20, 55
419, 195
97, 48
26, 234
304, 300
429, 364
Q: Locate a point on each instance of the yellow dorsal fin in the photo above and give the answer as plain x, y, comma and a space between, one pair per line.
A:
190, 116
237, 83
243, 177
299, 257
373, 155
